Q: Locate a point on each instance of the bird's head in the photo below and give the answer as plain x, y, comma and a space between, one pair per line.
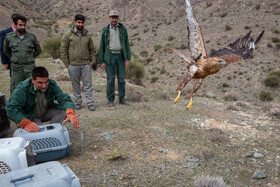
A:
222, 62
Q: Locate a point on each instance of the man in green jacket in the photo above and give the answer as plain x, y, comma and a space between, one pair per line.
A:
22, 48
39, 99
114, 55
78, 55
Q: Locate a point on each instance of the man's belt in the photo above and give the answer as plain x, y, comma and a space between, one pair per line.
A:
115, 52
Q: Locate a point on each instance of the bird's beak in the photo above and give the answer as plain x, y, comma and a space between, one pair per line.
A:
223, 63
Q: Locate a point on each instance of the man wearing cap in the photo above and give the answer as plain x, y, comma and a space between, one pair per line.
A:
114, 56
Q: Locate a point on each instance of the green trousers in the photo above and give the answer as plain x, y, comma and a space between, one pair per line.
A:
116, 65
17, 77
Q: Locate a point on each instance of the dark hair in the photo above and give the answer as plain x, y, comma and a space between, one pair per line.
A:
19, 17
14, 16
39, 72
79, 17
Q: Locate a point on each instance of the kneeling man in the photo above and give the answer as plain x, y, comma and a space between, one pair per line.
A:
39, 99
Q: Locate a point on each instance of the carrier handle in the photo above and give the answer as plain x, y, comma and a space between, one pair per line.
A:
21, 178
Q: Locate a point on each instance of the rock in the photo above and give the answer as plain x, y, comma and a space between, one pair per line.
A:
258, 174
164, 151
275, 112
210, 95
258, 155
62, 78
106, 135
249, 155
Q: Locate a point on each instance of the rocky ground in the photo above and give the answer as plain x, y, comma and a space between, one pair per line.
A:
154, 142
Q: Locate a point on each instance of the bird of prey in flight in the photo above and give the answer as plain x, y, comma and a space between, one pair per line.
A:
201, 65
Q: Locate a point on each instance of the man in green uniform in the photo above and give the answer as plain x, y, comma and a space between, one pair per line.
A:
21, 47
39, 99
114, 55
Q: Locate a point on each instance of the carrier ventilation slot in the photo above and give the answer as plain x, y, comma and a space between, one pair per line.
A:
45, 143
4, 168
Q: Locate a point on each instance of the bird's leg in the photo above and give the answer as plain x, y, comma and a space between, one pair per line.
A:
195, 88
178, 96
185, 81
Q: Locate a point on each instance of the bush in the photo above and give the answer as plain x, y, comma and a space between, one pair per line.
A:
223, 15
52, 47
225, 85
154, 79
171, 37
273, 79
162, 71
275, 39
269, 45
265, 96
144, 53
135, 71
228, 27
157, 47
247, 27
276, 31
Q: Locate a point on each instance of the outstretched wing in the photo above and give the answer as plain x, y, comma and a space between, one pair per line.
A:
196, 41
242, 48
182, 55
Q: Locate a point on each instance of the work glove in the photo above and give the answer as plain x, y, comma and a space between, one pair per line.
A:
71, 116
29, 125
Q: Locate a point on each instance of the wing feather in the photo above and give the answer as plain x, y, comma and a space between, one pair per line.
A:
182, 55
242, 48
196, 41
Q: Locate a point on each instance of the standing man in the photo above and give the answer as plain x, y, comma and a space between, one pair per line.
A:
22, 48
77, 53
39, 99
5, 60
114, 55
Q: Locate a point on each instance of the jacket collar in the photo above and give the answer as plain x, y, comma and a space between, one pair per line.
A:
85, 31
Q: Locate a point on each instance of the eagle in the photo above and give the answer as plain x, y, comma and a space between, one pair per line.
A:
201, 65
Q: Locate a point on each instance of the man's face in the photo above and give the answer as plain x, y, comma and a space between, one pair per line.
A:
41, 83
79, 24
20, 27
113, 19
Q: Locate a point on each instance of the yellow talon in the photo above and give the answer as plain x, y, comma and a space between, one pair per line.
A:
190, 104
177, 98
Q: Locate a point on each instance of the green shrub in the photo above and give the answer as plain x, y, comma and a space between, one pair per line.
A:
265, 96
275, 39
135, 71
146, 29
223, 15
276, 31
273, 79
269, 45
52, 47
247, 27
225, 85
208, 4
157, 47
171, 37
258, 6
228, 27
162, 71
154, 79
144, 53
277, 45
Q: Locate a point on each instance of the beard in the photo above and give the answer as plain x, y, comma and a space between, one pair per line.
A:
21, 31
80, 28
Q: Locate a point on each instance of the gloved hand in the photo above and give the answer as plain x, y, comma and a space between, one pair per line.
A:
29, 125
71, 116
